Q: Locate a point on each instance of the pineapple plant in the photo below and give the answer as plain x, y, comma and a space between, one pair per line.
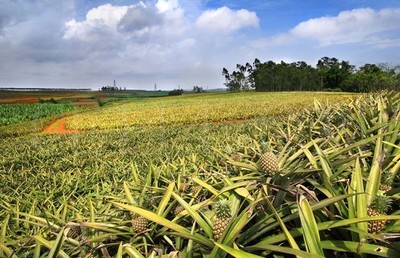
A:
223, 213
379, 206
269, 163
139, 223
386, 181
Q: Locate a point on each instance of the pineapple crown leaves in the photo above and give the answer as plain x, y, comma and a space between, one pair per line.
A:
265, 146
387, 178
381, 203
223, 209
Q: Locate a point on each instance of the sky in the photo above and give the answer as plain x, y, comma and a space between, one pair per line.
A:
183, 43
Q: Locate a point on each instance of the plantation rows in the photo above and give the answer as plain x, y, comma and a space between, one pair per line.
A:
202, 108
320, 183
16, 113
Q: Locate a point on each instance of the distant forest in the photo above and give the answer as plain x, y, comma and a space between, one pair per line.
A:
330, 74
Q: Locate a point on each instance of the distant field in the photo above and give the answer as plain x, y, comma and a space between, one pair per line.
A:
30, 97
198, 108
16, 113
77, 98
26, 112
145, 108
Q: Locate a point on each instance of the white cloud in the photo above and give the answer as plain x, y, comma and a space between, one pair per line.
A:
226, 20
167, 5
138, 22
103, 18
355, 26
138, 18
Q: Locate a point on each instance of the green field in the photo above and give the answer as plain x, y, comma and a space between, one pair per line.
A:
288, 173
16, 113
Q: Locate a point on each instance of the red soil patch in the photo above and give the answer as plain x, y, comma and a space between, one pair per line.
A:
58, 127
85, 104
19, 101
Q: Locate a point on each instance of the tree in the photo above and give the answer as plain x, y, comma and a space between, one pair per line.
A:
109, 88
333, 74
175, 92
329, 74
236, 81
198, 89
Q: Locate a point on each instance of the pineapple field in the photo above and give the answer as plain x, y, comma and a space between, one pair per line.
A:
207, 175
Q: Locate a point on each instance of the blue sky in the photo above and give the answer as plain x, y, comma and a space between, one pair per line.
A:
81, 43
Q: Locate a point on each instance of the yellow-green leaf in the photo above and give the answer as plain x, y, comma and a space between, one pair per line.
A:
236, 253
310, 228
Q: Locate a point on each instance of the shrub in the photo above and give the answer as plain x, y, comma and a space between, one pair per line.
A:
175, 92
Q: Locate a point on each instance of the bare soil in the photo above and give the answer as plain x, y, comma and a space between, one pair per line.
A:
58, 127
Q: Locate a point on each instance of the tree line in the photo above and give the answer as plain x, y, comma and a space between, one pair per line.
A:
329, 74
111, 88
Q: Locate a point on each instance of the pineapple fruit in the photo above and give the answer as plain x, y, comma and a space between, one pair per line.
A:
196, 189
178, 210
75, 230
269, 163
223, 212
196, 192
139, 223
183, 187
378, 207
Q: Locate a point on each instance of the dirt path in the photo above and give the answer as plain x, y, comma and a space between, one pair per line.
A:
58, 126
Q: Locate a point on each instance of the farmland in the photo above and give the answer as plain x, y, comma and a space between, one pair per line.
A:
197, 108
169, 164
16, 113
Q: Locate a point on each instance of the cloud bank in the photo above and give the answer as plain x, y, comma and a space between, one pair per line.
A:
169, 42
365, 26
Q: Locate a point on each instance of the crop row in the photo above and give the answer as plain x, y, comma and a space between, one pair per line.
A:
194, 109
16, 113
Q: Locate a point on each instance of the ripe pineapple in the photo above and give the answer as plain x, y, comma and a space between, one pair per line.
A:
269, 163
196, 191
139, 223
223, 212
386, 181
178, 209
378, 207
75, 230
183, 187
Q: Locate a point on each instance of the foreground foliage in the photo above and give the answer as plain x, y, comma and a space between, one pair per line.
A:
119, 193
